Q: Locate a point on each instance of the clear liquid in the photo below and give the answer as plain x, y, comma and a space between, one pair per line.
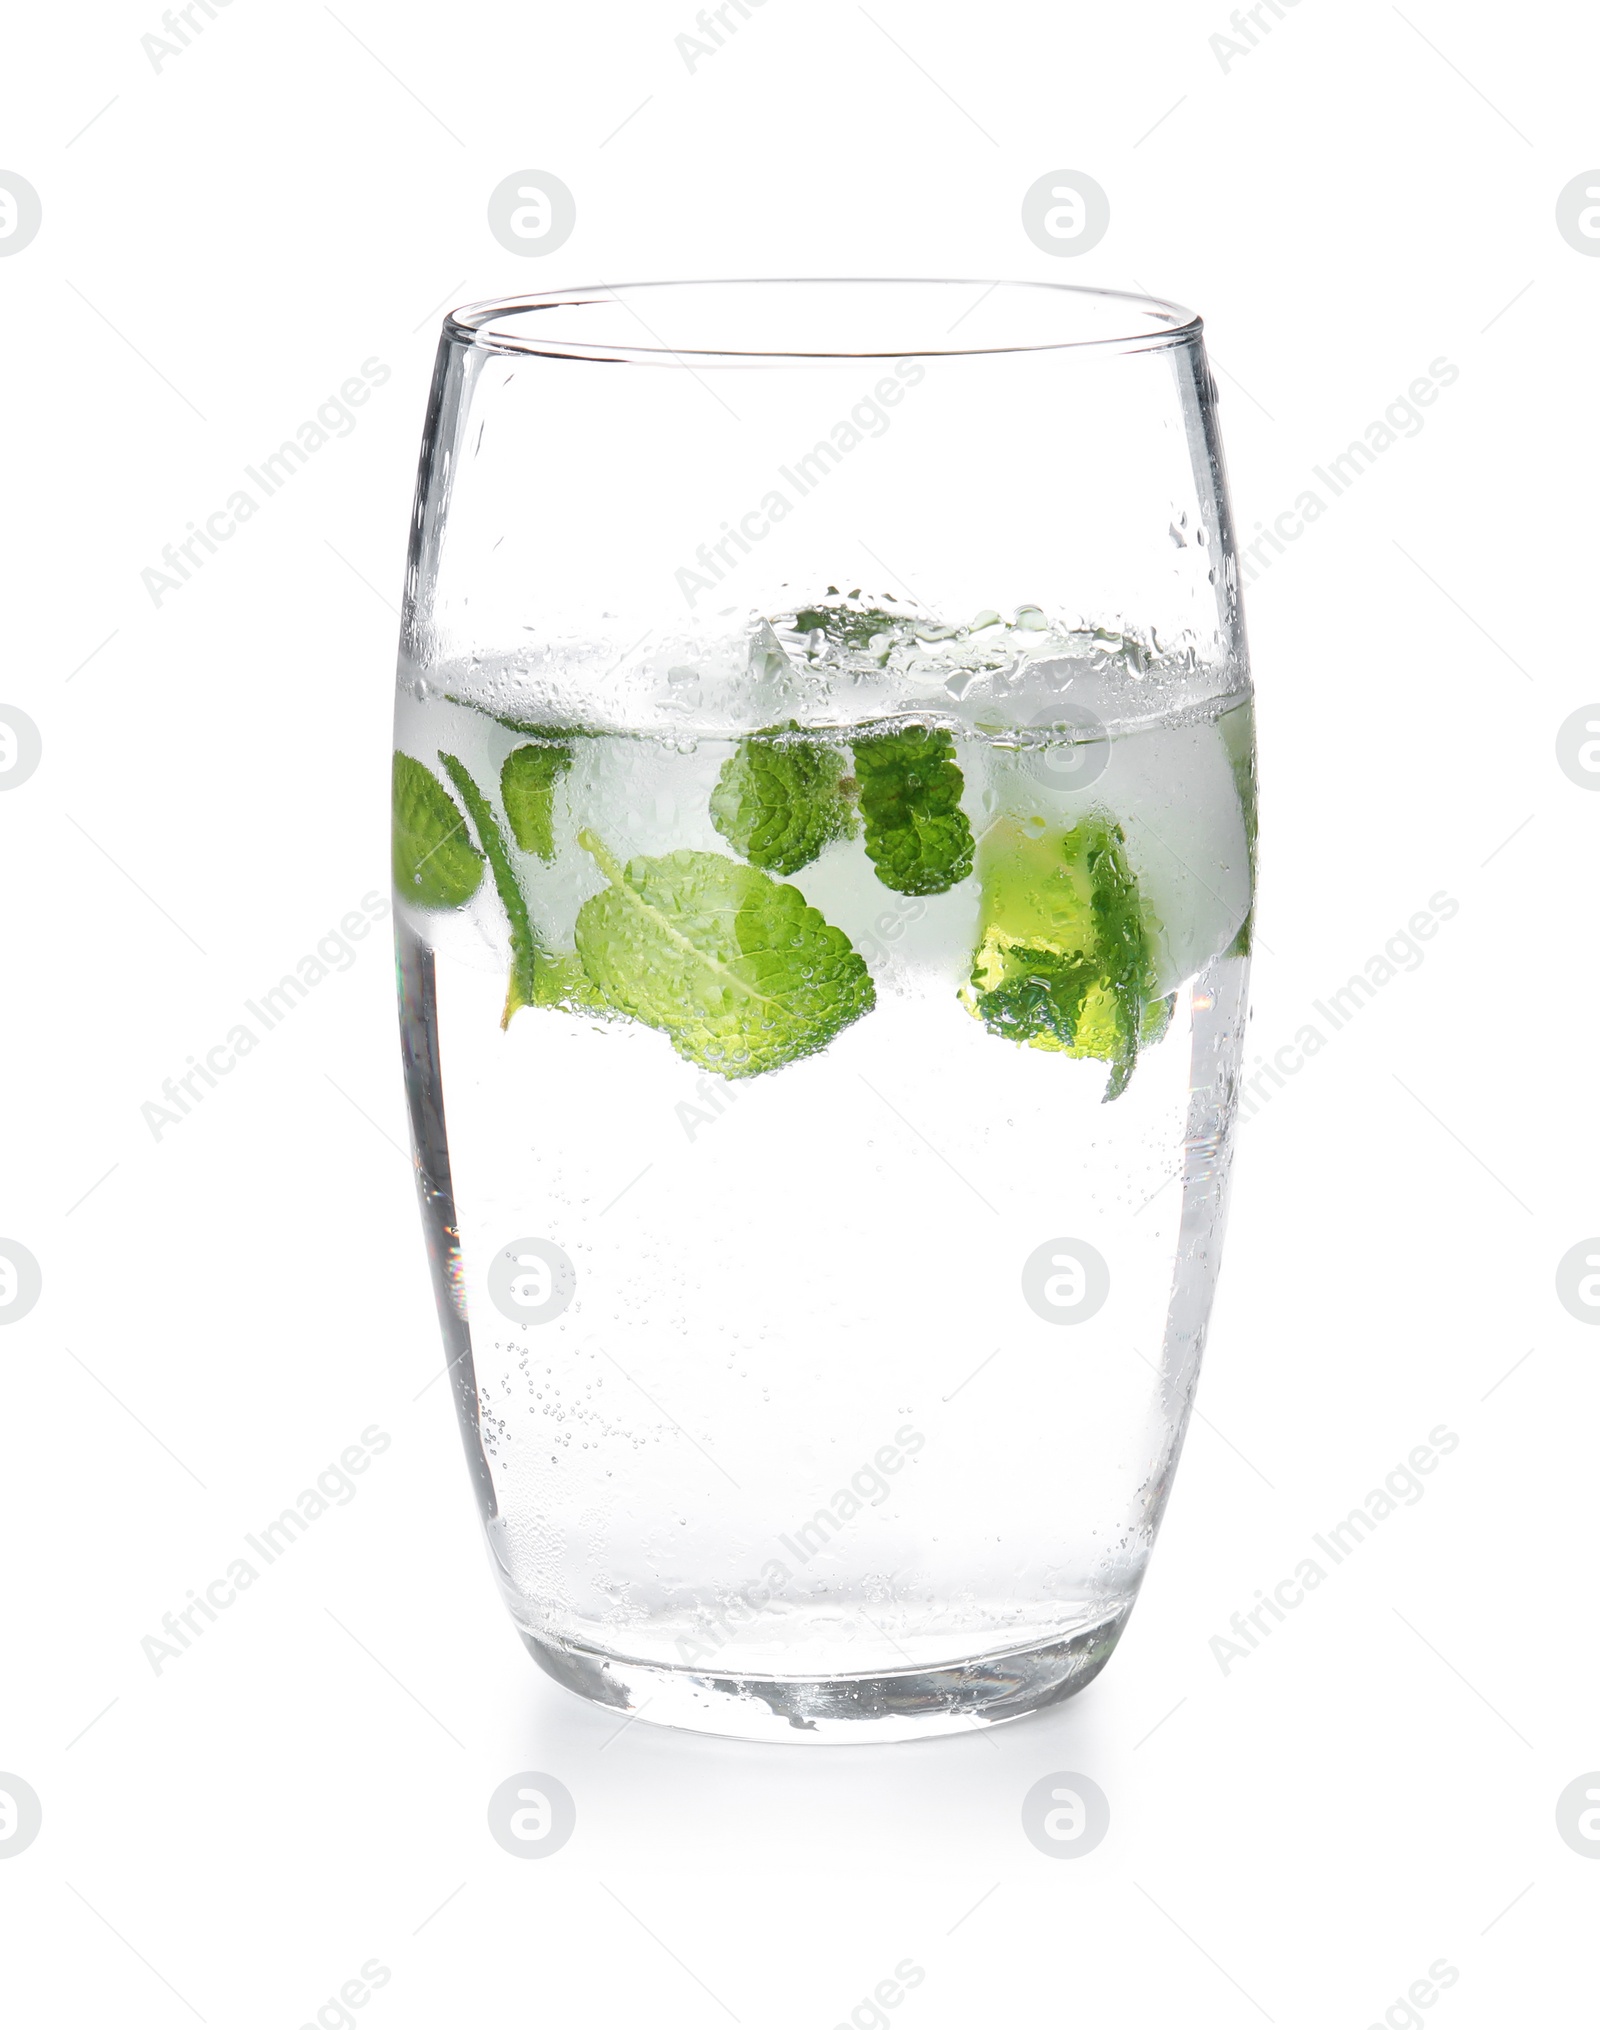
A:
799, 1420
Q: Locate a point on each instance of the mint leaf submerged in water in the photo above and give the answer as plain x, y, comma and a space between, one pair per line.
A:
918, 837
851, 625
521, 988
1065, 958
779, 801
528, 794
436, 865
741, 973
1239, 738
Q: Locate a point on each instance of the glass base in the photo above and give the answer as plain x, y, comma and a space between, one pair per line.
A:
909, 1705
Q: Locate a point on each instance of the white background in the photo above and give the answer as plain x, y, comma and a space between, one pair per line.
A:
1296, 1840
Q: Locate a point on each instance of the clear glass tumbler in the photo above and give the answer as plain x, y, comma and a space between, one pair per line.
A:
824, 832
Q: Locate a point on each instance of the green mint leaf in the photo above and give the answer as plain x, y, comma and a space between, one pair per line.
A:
521, 988
1156, 1020
853, 631
849, 626
739, 970
436, 865
561, 982
1065, 956
528, 794
1239, 738
918, 837
779, 802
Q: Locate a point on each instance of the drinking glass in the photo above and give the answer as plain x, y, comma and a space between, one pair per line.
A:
824, 837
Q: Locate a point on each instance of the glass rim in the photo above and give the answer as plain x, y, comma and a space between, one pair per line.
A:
1168, 324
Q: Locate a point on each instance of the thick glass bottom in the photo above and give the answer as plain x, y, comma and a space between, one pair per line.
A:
909, 1705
